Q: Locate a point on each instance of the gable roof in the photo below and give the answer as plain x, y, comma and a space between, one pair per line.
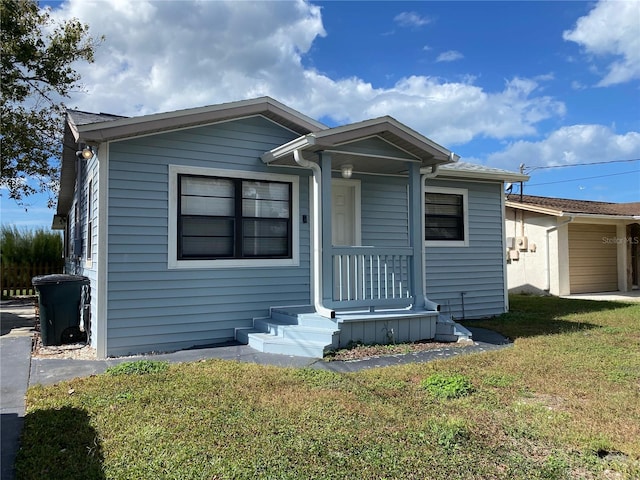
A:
345, 143
564, 206
111, 127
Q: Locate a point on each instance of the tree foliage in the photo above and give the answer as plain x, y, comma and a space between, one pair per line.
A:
37, 74
24, 246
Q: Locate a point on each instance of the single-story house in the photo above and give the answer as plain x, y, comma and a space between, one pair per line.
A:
251, 222
560, 246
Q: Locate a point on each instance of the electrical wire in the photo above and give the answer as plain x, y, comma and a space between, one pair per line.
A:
583, 178
530, 169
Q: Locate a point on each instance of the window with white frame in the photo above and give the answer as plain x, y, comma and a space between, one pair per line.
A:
89, 232
446, 216
228, 218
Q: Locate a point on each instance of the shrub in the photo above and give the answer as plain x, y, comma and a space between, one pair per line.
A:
23, 246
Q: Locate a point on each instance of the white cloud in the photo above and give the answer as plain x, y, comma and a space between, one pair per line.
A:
449, 56
570, 145
612, 28
173, 55
411, 19
163, 56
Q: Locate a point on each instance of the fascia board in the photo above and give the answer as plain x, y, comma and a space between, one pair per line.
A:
507, 176
596, 216
536, 209
134, 126
346, 133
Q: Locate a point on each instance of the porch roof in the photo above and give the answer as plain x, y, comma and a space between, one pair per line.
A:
380, 145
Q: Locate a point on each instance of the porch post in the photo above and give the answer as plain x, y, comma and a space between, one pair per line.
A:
327, 234
416, 235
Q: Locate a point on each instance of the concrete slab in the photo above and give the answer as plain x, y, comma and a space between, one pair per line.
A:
630, 297
47, 371
17, 316
17, 325
483, 341
15, 356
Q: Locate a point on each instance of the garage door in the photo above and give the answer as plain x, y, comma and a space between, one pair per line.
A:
592, 260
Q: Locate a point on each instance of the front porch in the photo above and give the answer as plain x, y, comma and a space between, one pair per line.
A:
365, 287
301, 331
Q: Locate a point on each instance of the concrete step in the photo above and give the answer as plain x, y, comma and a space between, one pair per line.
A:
449, 331
267, 343
242, 334
297, 332
302, 315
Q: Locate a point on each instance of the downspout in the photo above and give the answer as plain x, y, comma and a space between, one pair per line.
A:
428, 304
316, 235
548, 255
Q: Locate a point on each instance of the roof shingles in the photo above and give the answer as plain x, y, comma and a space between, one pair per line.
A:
587, 207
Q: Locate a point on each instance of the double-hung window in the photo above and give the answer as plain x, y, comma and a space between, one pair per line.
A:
233, 218
226, 218
446, 216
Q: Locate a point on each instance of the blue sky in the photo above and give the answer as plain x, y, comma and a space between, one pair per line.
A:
547, 84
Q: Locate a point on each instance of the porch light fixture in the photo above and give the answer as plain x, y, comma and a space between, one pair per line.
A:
347, 170
86, 153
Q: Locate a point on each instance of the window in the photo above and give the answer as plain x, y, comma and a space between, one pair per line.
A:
226, 218
446, 216
90, 221
233, 218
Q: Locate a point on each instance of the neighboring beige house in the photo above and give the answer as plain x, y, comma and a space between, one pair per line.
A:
561, 246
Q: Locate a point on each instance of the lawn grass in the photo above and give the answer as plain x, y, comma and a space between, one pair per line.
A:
563, 402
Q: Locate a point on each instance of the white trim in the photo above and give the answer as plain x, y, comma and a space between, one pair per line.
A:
103, 252
371, 155
465, 215
503, 175
503, 240
384, 140
174, 263
88, 261
198, 125
131, 127
357, 203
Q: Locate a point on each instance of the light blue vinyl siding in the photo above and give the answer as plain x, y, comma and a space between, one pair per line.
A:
477, 269
78, 265
153, 308
384, 211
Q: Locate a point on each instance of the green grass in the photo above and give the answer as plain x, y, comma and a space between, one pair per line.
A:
447, 385
561, 403
139, 367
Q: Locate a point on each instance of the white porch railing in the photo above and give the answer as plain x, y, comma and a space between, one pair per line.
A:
372, 277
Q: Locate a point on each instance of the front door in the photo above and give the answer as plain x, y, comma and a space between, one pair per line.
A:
343, 217
345, 228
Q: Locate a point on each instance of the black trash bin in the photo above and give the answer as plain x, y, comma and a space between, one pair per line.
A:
59, 298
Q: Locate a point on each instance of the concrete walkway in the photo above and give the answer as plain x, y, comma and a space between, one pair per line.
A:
19, 370
17, 321
631, 297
